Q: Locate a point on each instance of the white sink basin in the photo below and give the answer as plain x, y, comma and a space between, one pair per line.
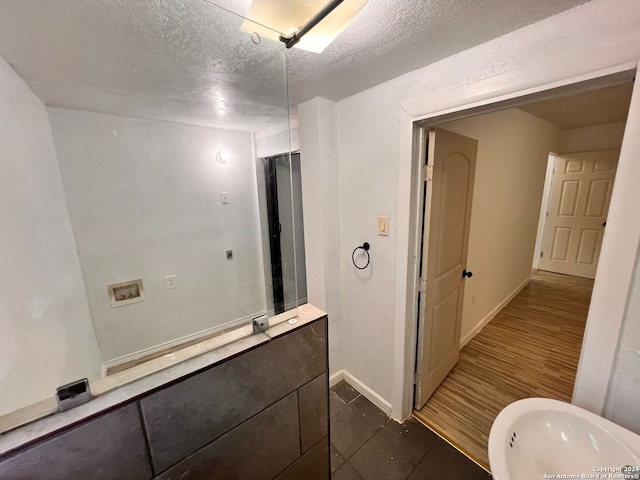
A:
535, 437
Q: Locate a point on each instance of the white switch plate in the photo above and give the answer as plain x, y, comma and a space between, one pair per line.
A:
170, 282
224, 197
383, 226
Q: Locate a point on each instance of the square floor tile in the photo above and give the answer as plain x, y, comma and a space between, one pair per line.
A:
444, 461
335, 404
369, 412
379, 459
365, 444
350, 430
346, 472
336, 459
411, 438
345, 391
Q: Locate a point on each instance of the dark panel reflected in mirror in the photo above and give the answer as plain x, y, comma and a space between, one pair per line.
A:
285, 231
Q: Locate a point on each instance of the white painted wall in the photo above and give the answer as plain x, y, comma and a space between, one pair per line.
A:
622, 405
46, 336
278, 140
368, 188
144, 201
374, 127
513, 149
621, 401
591, 139
321, 203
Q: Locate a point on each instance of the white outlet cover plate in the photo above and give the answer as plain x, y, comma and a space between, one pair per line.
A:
170, 282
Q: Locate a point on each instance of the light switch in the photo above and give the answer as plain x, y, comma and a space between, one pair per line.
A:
383, 226
224, 198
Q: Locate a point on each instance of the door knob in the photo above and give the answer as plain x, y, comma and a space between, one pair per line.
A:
467, 274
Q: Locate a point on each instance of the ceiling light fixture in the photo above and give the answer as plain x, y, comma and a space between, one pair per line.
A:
307, 24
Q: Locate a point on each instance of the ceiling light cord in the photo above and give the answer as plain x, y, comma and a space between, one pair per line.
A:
295, 38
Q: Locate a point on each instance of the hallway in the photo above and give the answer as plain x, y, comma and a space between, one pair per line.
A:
530, 349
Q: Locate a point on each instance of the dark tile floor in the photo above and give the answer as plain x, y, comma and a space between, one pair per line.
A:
366, 445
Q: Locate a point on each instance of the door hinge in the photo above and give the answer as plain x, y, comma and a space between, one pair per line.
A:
416, 378
427, 172
422, 284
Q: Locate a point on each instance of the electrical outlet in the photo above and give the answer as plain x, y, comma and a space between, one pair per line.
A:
170, 282
229, 254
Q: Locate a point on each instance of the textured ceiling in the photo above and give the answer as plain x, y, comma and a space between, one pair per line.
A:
595, 107
175, 60
392, 37
187, 61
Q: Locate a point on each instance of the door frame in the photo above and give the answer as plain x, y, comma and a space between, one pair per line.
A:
544, 207
621, 240
429, 136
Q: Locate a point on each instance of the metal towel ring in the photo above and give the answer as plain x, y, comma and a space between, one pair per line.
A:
365, 246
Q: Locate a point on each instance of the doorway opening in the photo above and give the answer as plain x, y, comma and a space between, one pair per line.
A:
503, 240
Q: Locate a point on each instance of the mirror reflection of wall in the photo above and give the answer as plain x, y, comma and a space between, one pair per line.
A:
128, 152
280, 187
297, 267
144, 198
46, 333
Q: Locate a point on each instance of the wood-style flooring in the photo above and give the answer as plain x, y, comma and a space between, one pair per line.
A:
530, 349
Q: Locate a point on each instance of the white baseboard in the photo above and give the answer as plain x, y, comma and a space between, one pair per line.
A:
132, 357
368, 392
336, 378
489, 316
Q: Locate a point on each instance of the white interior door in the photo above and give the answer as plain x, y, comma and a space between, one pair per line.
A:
444, 256
580, 195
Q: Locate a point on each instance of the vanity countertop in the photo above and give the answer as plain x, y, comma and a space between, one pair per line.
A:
37, 420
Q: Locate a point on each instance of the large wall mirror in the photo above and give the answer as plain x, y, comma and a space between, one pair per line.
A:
133, 195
